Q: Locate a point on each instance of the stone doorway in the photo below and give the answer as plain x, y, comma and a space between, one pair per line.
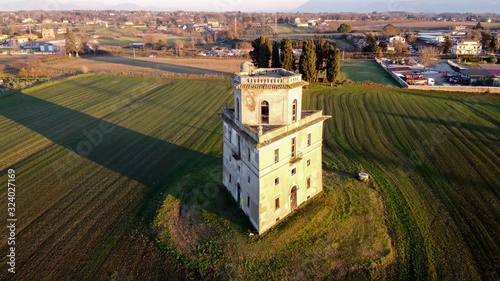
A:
293, 198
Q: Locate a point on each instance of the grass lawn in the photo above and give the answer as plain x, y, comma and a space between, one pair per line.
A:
109, 162
343, 45
290, 29
366, 70
172, 38
344, 228
121, 40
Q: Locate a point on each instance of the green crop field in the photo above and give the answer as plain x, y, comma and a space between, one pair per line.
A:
435, 158
102, 160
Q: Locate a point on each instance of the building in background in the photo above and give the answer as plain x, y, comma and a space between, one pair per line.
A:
466, 48
48, 33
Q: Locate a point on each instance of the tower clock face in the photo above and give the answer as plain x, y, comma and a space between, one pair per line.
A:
250, 103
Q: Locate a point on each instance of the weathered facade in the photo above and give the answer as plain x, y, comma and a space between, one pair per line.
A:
272, 148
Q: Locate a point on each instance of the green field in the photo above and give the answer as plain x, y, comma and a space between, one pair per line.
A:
96, 156
122, 40
290, 29
127, 30
366, 70
343, 45
435, 160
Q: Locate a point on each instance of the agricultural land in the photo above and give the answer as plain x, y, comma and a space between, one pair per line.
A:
118, 177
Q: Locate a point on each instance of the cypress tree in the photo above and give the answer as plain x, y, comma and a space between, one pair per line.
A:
261, 53
448, 44
371, 44
275, 59
333, 64
287, 58
307, 63
320, 55
255, 53
70, 43
494, 45
336, 64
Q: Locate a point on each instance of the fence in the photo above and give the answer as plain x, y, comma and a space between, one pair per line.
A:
468, 89
397, 78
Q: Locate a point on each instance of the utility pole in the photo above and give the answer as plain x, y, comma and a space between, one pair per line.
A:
134, 51
276, 24
235, 30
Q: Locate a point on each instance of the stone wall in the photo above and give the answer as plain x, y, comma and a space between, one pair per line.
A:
469, 89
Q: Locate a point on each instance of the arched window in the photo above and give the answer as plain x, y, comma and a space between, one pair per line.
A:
237, 111
294, 111
264, 112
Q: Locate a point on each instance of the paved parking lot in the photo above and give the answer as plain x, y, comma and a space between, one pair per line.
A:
435, 71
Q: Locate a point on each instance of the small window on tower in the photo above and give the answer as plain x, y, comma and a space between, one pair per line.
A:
294, 147
277, 181
308, 182
294, 111
237, 111
248, 154
309, 139
264, 112
248, 179
294, 171
277, 203
308, 162
276, 155
230, 178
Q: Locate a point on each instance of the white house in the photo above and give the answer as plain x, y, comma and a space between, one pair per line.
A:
466, 48
394, 40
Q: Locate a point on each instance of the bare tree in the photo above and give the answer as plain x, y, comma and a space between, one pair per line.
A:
429, 55
148, 39
179, 44
245, 46
192, 44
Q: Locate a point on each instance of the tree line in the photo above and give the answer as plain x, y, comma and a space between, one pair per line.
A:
317, 56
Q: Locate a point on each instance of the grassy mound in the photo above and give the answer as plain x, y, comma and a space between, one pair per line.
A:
342, 231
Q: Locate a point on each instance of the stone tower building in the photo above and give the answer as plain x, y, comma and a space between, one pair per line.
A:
272, 148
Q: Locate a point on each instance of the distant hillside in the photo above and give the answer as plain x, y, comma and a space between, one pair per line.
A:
427, 6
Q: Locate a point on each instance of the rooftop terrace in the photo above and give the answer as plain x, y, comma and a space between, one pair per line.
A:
268, 78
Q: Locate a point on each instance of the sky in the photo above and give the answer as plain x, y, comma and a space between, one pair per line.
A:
439, 6
187, 5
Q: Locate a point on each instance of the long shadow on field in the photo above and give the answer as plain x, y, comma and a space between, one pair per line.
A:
454, 123
145, 159
159, 66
